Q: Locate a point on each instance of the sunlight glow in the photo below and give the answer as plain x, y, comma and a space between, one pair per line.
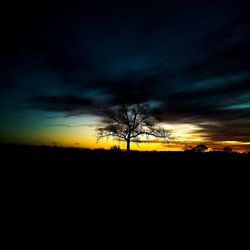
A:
186, 132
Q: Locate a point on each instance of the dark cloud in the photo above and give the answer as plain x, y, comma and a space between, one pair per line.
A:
235, 130
230, 32
189, 57
232, 59
70, 105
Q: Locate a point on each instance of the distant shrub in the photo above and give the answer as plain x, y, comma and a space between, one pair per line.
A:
201, 148
115, 148
198, 148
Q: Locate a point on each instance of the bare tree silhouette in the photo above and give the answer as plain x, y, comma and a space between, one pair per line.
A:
130, 123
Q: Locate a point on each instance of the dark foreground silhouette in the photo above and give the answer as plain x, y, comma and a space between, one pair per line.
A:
75, 157
76, 173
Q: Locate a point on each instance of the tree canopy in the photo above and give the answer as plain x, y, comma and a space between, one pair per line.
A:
131, 123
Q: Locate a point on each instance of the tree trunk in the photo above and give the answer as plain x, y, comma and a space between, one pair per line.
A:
128, 145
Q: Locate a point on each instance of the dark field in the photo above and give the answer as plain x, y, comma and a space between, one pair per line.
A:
77, 173
75, 157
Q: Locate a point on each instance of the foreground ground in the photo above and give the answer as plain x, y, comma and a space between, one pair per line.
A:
77, 173
58, 156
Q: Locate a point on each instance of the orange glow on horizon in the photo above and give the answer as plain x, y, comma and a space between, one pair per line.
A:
85, 137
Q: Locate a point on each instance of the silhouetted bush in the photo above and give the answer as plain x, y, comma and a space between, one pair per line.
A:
115, 148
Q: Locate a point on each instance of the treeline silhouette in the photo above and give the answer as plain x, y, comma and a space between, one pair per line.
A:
202, 148
85, 170
45, 155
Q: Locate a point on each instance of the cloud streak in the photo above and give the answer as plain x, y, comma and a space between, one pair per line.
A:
71, 126
191, 59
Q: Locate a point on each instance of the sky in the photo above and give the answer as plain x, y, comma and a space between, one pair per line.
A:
62, 63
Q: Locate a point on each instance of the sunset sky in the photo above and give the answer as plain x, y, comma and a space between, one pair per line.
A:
63, 63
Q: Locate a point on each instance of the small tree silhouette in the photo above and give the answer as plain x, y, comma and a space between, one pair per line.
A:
115, 148
129, 123
201, 148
